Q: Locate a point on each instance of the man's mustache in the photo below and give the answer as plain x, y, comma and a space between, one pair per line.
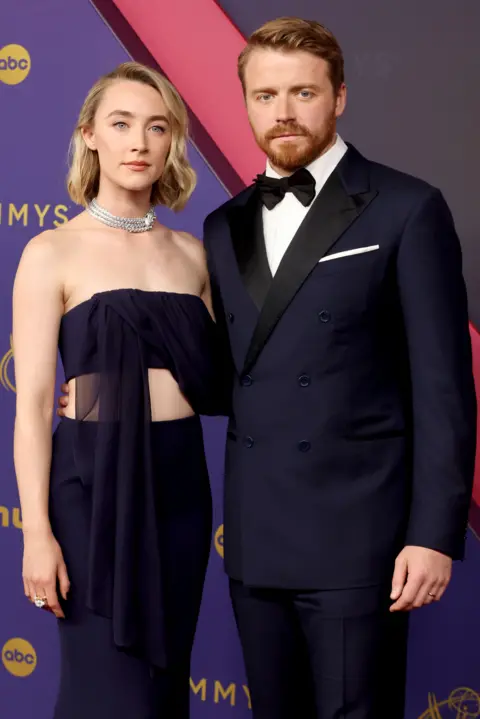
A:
291, 129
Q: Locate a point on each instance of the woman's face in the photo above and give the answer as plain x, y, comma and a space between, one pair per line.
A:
132, 135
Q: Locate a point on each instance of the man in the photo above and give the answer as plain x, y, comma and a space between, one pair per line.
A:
351, 441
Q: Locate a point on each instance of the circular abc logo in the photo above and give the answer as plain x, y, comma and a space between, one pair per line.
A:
219, 540
19, 657
15, 64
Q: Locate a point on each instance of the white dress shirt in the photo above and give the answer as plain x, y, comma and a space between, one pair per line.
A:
281, 224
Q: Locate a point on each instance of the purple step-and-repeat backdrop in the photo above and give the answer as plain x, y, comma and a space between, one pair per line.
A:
50, 54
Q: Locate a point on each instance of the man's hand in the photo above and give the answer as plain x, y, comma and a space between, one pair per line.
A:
421, 577
63, 400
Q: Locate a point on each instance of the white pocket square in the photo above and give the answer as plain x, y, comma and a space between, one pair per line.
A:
358, 251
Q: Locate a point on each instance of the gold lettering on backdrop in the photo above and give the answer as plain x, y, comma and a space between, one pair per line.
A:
14, 514
247, 694
61, 215
463, 703
33, 214
224, 693
232, 694
13, 213
200, 687
41, 214
5, 516
17, 518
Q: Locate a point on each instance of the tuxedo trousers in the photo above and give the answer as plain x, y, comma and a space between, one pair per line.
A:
330, 654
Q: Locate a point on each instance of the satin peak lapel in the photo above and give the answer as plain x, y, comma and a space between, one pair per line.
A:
246, 229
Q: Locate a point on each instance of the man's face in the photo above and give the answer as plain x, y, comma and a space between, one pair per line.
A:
292, 106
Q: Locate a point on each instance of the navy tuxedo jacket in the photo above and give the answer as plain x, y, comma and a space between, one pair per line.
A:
353, 417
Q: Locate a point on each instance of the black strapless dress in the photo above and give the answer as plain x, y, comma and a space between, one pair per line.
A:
130, 503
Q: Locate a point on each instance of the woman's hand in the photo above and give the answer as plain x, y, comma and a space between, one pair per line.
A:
43, 565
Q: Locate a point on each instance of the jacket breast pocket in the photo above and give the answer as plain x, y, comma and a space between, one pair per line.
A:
342, 289
361, 262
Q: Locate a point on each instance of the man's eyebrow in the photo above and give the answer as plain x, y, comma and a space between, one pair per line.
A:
294, 88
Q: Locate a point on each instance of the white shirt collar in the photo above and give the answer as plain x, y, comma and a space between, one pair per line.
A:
322, 165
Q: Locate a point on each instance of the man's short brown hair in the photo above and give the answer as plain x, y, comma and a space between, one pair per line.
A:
288, 34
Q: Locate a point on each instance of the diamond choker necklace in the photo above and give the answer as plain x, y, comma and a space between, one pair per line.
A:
130, 224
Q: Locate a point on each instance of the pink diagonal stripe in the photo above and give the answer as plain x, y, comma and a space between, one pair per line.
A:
197, 46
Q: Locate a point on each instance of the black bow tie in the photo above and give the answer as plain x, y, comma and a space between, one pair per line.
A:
272, 190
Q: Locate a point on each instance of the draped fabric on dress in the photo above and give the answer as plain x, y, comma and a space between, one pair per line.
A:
126, 333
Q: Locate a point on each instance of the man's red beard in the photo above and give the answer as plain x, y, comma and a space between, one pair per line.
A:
289, 156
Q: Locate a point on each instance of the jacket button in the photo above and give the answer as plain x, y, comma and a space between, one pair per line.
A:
304, 380
248, 442
231, 317
246, 380
304, 445
324, 316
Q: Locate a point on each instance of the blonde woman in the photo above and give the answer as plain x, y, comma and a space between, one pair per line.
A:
117, 508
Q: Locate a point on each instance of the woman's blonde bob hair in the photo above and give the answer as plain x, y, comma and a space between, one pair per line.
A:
178, 179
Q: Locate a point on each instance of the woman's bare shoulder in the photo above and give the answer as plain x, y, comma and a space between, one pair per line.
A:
39, 266
41, 248
50, 248
56, 240
190, 244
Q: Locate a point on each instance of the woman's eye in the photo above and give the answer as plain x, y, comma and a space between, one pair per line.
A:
120, 124
158, 128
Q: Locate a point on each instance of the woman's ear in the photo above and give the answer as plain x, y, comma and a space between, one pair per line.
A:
89, 137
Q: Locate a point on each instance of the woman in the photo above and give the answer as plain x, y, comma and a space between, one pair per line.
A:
117, 508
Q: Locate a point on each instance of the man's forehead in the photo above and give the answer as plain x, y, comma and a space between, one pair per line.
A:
284, 63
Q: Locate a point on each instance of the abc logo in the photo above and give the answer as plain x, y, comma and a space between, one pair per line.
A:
219, 540
19, 657
14, 64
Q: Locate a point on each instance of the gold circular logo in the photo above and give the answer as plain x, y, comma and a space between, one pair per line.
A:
19, 657
4, 364
15, 64
219, 540
462, 702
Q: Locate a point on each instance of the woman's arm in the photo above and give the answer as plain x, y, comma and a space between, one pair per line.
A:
37, 310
